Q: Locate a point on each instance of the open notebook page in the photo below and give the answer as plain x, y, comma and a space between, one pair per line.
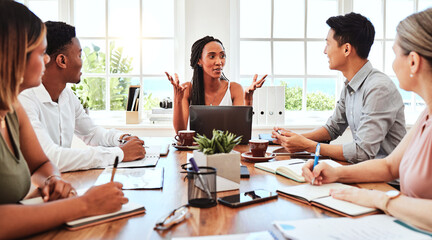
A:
310, 192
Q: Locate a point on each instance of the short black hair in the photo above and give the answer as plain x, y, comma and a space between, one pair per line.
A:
59, 35
355, 29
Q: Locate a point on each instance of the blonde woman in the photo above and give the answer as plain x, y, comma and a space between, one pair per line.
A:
22, 62
411, 161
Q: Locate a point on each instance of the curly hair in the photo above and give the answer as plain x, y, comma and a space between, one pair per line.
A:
197, 91
59, 35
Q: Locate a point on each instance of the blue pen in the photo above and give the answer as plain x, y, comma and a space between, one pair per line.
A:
196, 169
317, 153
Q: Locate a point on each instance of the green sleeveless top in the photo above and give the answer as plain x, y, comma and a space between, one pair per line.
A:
14, 173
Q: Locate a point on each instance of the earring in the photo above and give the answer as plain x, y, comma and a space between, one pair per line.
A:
200, 65
411, 75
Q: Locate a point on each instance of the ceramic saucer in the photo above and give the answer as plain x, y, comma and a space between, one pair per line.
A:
248, 156
180, 147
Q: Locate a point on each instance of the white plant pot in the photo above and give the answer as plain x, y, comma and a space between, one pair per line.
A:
227, 167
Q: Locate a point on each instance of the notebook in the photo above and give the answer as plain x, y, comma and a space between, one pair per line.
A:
371, 227
235, 119
134, 178
150, 160
320, 196
291, 169
128, 209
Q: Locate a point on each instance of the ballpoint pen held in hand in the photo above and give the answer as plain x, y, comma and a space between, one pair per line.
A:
317, 152
114, 168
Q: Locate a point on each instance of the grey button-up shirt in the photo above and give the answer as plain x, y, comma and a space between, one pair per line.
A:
372, 107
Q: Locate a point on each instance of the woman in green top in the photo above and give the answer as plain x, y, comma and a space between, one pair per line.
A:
22, 62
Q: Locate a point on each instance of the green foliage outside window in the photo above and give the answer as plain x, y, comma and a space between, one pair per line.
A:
91, 90
316, 101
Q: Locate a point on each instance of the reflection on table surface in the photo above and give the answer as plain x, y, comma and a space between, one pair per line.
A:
211, 221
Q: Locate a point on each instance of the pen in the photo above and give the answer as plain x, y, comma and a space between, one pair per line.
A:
196, 169
114, 168
317, 152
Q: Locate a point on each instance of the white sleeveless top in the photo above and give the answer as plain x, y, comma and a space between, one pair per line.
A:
226, 100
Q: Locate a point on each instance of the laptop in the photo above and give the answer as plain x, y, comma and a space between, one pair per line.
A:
235, 119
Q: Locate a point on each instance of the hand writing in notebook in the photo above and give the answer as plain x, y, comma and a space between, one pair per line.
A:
322, 173
133, 149
104, 199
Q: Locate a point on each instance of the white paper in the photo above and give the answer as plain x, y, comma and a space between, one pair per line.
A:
376, 227
311, 192
134, 178
150, 160
245, 236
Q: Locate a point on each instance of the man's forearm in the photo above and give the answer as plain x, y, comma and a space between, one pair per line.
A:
318, 135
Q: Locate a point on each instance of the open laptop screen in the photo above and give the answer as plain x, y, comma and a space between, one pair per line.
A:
235, 119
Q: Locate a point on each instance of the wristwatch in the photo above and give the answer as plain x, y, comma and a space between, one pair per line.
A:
121, 139
392, 194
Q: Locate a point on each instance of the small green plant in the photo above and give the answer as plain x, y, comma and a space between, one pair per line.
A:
220, 143
80, 93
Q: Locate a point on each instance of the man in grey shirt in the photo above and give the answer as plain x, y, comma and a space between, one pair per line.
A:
370, 103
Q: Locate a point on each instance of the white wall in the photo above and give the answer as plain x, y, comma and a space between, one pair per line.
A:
202, 18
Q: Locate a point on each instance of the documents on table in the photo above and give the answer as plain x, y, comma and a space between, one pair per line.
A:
150, 160
265, 235
374, 227
134, 178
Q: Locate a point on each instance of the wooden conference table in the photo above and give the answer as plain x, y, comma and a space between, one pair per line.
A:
211, 221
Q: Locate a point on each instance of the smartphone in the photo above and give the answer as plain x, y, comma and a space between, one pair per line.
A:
247, 198
267, 136
244, 172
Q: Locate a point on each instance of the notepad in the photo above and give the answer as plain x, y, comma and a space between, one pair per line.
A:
320, 196
134, 178
291, 169
371, 227
128, 209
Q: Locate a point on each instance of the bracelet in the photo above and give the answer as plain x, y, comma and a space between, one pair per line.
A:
49, 178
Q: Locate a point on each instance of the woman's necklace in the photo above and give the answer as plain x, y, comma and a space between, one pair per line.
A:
211, 104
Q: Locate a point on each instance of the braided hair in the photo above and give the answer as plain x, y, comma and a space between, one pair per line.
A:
197, 92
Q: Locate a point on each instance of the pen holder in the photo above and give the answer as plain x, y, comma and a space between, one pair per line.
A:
201, 187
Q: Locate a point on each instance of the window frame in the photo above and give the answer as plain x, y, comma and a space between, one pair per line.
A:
344, 6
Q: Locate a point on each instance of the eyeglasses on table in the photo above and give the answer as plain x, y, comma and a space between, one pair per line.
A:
176, 216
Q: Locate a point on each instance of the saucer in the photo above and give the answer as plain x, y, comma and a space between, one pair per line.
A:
180, 147
248, 156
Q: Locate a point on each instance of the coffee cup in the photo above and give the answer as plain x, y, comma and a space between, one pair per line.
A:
185, 137
258, 147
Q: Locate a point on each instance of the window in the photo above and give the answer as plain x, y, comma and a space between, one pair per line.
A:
124, 43
285, 39
382, 55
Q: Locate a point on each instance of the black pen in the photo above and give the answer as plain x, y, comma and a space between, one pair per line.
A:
114, 168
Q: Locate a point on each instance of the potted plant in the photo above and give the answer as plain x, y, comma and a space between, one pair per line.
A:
218, 152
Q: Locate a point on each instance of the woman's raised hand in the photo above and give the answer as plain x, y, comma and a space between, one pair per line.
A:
255, 84
178, 89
